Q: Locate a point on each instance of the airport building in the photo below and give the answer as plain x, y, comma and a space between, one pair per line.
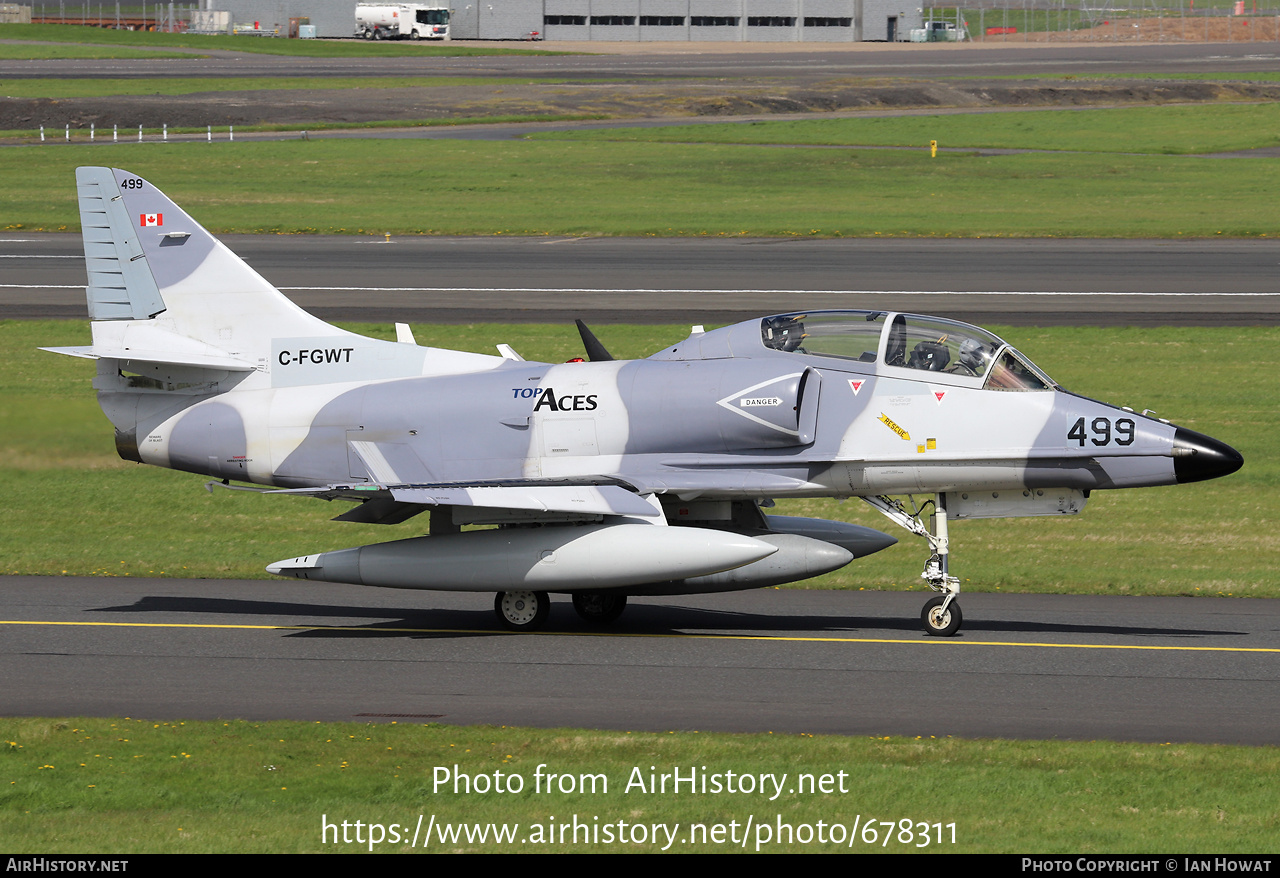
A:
823, 21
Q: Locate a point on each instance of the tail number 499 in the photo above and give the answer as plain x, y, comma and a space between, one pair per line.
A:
1101, 431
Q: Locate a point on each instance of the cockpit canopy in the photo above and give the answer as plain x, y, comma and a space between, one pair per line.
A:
906, 341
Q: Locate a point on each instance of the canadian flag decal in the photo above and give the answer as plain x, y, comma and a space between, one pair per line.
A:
152, 219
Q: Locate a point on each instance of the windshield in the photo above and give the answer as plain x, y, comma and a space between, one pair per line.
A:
1012, 371
906, 341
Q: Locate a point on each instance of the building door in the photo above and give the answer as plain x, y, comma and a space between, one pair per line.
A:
893, 29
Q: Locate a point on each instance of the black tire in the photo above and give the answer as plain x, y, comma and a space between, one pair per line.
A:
368, 34
415, 36
937, 623
600, 607
522, 610
377, 34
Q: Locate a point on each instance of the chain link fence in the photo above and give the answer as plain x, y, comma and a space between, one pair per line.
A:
1041, 21
160, 16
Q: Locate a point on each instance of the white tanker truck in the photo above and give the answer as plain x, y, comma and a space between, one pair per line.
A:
417, 22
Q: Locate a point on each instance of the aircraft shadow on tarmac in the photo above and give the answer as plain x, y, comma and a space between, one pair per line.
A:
641, 619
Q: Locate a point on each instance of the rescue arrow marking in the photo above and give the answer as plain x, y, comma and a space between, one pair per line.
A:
888, 422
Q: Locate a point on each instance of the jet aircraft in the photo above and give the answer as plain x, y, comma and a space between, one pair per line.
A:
600, 479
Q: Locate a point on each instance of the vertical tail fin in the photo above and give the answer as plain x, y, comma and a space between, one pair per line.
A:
148, 260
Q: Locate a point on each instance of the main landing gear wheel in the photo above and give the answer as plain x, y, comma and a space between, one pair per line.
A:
940, 622
600, 608
522, 610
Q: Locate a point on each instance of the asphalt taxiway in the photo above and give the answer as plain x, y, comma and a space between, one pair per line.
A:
711, 280
854, 663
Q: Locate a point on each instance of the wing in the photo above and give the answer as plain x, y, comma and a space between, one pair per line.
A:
486, 502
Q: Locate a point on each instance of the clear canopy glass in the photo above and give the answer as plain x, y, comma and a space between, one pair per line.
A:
906, 341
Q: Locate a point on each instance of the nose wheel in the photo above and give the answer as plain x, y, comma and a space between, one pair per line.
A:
522, 610
941, 616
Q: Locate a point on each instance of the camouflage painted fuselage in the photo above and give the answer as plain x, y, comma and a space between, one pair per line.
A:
719, 415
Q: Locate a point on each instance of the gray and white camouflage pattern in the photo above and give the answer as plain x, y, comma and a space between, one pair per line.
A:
599, 479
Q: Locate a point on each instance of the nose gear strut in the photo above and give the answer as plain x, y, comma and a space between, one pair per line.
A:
941, 615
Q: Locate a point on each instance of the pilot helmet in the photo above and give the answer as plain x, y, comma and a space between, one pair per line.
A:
973, 355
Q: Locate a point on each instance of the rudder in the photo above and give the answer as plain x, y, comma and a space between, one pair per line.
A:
120, 283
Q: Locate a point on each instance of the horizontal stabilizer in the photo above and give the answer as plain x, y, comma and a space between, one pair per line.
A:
78, 351
148, 343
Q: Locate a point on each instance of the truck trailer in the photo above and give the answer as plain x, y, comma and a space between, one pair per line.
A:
415, 21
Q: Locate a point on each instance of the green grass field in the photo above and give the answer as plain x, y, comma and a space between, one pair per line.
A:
1165, 130
131, 786
663, 189
19, 52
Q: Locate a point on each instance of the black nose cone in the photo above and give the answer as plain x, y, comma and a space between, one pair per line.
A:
1197, 457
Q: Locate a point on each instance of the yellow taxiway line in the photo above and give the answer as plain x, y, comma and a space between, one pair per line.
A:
932, 641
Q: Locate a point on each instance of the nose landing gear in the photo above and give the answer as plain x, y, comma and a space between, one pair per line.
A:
941, 615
